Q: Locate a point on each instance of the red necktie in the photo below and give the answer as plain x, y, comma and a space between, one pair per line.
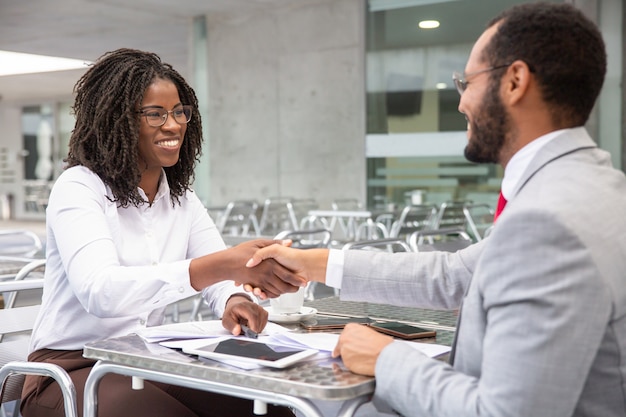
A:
500, 206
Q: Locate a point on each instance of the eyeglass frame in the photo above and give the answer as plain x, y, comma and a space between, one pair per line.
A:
460, 79
165, 116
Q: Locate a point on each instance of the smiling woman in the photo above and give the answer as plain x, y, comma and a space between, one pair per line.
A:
160, 136
127, 236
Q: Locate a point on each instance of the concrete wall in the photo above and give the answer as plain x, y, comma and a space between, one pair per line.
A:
287, 103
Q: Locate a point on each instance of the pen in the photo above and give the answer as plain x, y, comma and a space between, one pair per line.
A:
248, 332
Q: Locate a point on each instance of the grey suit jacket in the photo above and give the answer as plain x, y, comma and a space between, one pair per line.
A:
543, 329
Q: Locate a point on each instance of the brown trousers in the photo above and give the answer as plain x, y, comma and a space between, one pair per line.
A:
42, 397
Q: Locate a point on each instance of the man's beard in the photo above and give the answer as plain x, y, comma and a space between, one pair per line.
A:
488, 130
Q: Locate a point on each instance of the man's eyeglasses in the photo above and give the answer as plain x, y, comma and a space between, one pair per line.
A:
157, 117
460, 79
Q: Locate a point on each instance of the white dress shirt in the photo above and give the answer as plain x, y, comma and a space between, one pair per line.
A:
111, 270
512, 174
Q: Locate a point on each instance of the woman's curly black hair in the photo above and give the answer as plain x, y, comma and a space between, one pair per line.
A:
106, 133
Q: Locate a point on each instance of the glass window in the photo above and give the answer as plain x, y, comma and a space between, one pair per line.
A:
415, 134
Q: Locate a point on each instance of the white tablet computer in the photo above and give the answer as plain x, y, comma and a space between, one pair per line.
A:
245, 350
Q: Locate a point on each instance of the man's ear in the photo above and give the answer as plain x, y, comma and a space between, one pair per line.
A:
516, 82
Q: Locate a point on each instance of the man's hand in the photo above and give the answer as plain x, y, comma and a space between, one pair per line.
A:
239, 309
359, 348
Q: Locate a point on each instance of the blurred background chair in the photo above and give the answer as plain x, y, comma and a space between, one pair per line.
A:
276, 216
299, 211
16, 324
307, 238
413, 218
17, 242
479, 220
451, 215
392, 244
371, 230
239, 219
33, 269
449, 240
348, 225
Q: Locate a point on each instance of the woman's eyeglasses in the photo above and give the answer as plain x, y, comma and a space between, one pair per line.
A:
157, 116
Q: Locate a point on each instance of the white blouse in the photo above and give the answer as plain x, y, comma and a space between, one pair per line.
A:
112, 270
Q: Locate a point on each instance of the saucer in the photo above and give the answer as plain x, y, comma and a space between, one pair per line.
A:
303, 314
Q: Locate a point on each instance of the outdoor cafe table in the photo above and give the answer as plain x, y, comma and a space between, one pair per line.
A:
298, 386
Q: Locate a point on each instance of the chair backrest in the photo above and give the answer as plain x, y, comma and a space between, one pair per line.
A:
348, 226
447, 240
393, 244
277, 216
34, 268
347, 204
19, 242
299, 209
413, 218
16, 325
451, 215
479, 219
239, 219
307, 239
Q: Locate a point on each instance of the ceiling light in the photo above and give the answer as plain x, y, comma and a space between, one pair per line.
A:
428, 24
15, 63
441, 86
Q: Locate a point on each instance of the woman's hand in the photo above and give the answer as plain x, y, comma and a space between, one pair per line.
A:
239, 309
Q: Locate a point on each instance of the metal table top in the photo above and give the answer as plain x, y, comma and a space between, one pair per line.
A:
324, 379
296, 386
443, 321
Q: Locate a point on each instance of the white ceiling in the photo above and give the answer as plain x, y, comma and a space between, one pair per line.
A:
85, 29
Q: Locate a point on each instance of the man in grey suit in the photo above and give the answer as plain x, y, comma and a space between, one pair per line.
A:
542, 328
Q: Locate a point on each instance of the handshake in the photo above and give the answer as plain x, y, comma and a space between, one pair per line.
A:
272, 268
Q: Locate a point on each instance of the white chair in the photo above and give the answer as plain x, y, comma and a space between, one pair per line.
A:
277, 215
479, 220
16, 324
239, 219
413, 218
299, 211
451, 215
447, 240
18, 242
306, 239
31, 269
391, 244
371, 230
348, 226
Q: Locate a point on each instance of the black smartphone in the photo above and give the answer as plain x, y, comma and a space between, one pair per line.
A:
326, 323
402, 330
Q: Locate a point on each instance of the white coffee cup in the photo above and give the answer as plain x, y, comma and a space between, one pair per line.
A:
288, 303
